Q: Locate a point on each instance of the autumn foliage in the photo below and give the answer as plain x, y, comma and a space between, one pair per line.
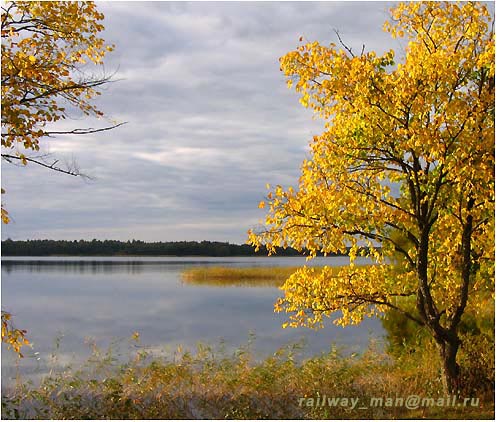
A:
44, 45
405, 167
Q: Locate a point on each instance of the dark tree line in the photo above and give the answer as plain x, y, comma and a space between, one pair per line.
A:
134, 247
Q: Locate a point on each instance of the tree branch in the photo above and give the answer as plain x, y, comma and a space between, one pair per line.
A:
52, 166
83, 131
343, 44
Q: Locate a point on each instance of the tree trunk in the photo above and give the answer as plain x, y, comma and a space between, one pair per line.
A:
451, 371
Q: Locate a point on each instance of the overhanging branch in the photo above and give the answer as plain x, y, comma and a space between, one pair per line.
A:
83, 131
52, 166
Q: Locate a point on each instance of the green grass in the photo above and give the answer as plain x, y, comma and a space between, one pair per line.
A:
211, 384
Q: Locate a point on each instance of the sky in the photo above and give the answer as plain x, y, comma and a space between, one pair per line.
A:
210, 121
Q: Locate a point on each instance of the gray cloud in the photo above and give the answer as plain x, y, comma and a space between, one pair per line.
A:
210, 122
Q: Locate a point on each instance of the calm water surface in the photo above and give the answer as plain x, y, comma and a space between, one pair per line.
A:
77, 301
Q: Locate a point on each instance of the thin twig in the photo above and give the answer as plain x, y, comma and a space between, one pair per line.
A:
343, 44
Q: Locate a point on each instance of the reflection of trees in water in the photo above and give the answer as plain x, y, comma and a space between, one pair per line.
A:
95, 267
80, 267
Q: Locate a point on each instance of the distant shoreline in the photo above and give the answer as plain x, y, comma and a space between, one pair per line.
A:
136, 248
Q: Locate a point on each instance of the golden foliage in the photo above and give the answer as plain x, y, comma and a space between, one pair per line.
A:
407, 153
46, 47
13, 337
43, 46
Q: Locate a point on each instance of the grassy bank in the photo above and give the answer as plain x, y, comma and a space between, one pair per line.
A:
213, 385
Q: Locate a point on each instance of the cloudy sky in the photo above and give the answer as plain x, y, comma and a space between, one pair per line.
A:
210, 122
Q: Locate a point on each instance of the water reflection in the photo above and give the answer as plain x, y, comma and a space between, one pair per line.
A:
106, 300
94, 266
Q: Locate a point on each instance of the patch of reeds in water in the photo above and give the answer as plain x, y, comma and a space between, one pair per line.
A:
237, 276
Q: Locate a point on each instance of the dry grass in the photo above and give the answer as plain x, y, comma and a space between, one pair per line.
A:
209, 385
238, 276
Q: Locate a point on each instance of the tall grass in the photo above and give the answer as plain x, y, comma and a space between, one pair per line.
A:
209, 384
238, 276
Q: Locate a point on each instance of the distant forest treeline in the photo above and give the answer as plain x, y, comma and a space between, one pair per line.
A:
131, 247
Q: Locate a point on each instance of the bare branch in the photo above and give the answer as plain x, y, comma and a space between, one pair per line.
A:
343, 44
52, 166
83, 131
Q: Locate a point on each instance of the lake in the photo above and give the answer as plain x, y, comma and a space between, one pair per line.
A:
67, 303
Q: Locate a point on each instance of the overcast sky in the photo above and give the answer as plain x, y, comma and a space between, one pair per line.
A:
210, 122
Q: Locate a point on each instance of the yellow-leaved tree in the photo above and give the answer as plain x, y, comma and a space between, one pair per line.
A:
47, 48
404, 167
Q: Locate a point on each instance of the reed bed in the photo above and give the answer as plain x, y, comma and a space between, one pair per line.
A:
237, 276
